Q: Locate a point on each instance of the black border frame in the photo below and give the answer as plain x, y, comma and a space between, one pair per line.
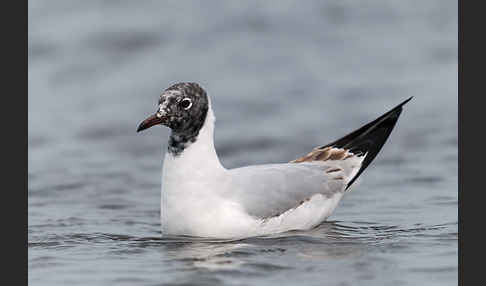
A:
14, 23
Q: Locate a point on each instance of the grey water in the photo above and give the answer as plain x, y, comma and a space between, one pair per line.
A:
284, 77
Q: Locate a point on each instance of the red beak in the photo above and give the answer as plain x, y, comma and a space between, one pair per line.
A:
149, 122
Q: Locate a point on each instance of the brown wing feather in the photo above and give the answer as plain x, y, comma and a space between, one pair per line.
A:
328, 153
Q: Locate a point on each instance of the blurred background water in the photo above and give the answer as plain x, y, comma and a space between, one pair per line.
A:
284, 77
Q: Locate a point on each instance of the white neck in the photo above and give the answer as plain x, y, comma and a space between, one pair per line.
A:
199, 158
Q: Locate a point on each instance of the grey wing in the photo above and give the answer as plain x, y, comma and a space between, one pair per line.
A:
269, 190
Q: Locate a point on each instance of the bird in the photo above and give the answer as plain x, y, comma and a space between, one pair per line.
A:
201, 198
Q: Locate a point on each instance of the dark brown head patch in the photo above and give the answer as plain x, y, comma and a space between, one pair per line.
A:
185, 122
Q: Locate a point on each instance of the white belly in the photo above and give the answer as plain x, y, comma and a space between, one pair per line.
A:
191, 204
225, 219
195, 209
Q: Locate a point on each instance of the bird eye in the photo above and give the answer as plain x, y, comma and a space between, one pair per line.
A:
186, 103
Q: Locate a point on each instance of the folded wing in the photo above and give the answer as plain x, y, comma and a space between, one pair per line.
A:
269, 190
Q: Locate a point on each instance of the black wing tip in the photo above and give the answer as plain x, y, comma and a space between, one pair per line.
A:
404, 102
370, 138
398, 107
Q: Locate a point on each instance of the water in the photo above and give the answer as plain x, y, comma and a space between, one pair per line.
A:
283, 79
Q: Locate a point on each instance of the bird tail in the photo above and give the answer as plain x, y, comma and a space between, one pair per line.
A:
369, 139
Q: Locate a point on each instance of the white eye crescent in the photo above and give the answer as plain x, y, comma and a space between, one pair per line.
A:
186, 103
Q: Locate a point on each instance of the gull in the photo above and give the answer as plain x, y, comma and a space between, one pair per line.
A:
200, 197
